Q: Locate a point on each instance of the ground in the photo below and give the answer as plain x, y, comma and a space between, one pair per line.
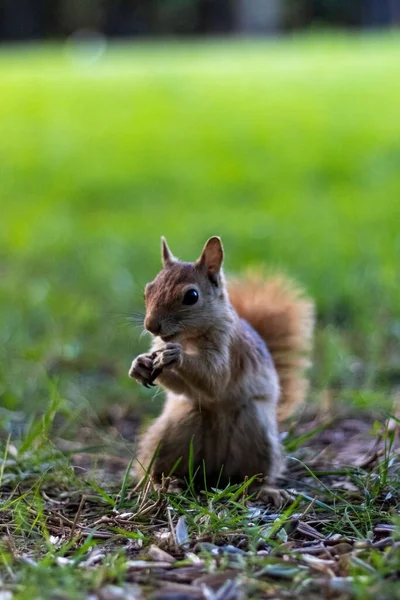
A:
74, 527
290, 151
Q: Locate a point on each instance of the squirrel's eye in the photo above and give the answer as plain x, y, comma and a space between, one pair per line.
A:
190, 297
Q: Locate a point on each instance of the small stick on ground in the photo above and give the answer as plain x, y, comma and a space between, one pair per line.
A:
78, 512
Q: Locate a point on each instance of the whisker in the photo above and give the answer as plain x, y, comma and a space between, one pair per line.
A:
157, 392
144, 333
138, 322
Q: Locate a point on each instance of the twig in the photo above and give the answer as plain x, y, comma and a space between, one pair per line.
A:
137, 487
308, 508
171, 526
83, 499
64, 519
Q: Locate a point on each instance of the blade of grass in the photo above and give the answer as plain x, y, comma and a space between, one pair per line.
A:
102, 493
124, 487
3, 464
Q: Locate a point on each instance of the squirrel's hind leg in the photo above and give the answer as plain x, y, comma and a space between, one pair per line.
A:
168, 441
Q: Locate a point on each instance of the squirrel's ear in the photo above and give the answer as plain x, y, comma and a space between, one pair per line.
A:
167, 257
212, 256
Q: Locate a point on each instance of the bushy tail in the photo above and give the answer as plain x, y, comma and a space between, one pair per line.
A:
278, 310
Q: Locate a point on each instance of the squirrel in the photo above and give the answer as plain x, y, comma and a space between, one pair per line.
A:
231, 359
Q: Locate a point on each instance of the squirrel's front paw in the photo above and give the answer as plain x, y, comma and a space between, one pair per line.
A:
142, 369
170, 355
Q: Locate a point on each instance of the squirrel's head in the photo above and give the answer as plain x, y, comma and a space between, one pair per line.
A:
186, 298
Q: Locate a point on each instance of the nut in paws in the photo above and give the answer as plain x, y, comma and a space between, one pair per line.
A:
170, 355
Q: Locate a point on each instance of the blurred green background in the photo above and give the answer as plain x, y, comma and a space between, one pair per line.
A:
289, 149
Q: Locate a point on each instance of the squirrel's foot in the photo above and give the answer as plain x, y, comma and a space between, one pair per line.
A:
174, 486
170, 355
142, 369
270, 494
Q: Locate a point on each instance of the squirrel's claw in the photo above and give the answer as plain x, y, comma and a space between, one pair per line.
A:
154, 374
167, 356
147, 367
277, 496
142, 369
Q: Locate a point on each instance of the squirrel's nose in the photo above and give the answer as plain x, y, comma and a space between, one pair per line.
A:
152, 325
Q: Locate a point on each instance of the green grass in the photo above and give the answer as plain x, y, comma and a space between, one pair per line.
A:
290, 150
66, 536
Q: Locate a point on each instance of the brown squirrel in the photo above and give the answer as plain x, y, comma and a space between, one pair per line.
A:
232, 364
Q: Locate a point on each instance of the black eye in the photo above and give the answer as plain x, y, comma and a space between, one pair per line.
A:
190, 297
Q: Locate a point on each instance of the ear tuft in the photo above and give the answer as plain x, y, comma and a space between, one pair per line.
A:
167, 257
212, 257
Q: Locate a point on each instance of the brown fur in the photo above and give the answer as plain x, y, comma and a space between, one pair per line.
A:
223, 387
284, 318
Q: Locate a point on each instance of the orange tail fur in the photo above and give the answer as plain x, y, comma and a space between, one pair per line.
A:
278, 310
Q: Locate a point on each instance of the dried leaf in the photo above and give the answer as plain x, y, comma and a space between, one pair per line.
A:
127, 592
341, 548
171, 591
384, 527
308, 531
345, 584
216, 580
387, 541
139, 565
184, 574
278, 571
193, 558
111, 592
181, 533
159, 555
320, 564
94, 558
206, 547
229, 549
344, 485
63, 562
228, 591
